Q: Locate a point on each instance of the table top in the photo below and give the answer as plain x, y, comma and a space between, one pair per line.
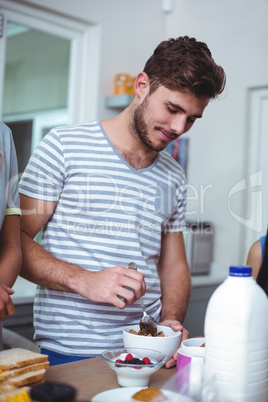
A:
92, 376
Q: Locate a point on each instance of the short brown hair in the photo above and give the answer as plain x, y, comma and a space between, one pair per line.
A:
185, 64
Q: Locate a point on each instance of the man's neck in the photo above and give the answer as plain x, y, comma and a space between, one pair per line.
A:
130, 147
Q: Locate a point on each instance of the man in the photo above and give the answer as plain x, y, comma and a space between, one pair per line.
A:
106, 195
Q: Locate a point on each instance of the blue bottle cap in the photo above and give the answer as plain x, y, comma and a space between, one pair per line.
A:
241, 271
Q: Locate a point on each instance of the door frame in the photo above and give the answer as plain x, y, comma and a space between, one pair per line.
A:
84, 57
256, 165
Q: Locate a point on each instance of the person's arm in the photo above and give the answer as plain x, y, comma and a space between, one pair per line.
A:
42, 268
254, 258
10, 262
175, 284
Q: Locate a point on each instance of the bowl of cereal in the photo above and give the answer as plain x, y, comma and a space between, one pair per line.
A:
134, 366
194, 342
167, 341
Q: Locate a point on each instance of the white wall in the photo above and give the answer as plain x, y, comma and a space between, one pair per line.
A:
237, 33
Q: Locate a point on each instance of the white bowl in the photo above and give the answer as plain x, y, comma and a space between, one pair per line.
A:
167, 344
133, 375
193, 351
195, 342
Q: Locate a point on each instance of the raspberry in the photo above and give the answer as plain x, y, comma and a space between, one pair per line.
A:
146, 360
118, 361
129, 357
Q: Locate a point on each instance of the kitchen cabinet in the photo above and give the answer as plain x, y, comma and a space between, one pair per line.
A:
22, 321
195, 317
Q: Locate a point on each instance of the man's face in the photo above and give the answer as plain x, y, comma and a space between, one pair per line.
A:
165, 115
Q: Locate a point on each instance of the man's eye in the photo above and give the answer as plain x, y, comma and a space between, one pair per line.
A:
172, 110
191, 119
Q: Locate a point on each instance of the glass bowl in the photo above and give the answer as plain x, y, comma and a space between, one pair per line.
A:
134, 374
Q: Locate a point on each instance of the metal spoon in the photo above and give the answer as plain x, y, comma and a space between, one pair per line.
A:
147, 323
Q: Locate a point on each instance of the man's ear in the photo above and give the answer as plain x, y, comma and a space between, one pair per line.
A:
142, 85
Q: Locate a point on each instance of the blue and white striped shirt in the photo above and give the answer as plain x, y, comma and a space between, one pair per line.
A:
107, 214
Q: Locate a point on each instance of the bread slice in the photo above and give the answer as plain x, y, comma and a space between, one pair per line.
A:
5, 375
27, 378
18, 357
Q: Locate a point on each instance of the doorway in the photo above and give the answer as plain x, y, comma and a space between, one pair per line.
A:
36, 82
48, 73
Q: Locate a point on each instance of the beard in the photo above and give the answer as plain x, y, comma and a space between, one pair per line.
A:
139, 126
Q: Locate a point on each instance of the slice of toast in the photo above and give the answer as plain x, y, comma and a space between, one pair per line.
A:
18, 357
5, 375
27, 378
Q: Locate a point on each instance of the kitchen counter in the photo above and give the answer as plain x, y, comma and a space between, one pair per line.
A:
217, 275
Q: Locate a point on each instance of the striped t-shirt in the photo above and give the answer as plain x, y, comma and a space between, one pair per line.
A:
107, 214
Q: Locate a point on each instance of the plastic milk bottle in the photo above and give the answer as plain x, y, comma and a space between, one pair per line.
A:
236, 341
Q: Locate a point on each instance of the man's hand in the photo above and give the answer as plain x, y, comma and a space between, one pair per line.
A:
6, 303
117, 285
176, 326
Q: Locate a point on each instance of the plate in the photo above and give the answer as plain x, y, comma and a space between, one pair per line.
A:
125, 394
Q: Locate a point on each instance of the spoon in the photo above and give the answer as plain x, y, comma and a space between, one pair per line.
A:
147, 323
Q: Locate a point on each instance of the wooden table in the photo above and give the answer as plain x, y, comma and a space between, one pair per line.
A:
92, 376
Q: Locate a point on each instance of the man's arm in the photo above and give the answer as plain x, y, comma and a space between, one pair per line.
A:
175, 284
42, 268
10, 262
10, 251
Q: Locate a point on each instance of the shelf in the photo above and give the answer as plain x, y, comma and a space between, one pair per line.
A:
120, 101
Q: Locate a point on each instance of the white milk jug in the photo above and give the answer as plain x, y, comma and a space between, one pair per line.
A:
236, 341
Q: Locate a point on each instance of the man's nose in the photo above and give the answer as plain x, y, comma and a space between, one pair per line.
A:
178, 124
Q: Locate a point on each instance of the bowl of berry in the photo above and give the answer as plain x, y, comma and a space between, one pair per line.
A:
134, 366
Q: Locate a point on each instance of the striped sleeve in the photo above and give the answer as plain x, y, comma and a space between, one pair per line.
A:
176, 222
44, 176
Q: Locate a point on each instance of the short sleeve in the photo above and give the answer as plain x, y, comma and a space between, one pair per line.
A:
44, 175
9, 194
10, 168
177, 221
